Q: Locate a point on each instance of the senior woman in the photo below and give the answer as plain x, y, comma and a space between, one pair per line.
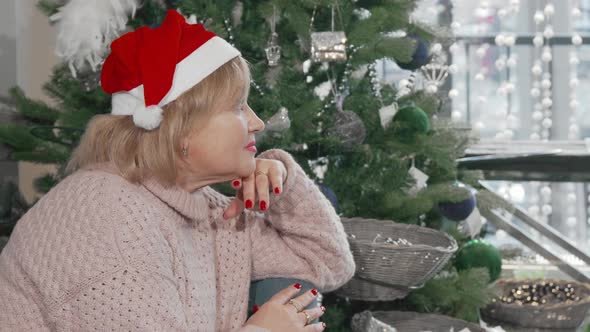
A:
135, 239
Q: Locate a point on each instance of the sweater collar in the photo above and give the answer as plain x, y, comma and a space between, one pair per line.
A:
194, 206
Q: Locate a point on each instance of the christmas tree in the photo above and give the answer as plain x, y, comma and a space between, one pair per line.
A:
377, 150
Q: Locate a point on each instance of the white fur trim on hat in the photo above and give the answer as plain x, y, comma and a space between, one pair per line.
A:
148, 117
191, 70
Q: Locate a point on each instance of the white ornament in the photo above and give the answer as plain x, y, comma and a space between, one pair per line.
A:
431, 88
456, 116
453, 69
539, 17
547, 123
547, 102
500, 40
538, 40
535, 92
453, 93
481, 51
306, 66
546, 209
574, 61
323, 90
537, 116
549, 10
512, 60
576, 12
479, 77
546, 84
548, 32
510, 40
387, 113
577, 39
420, 180
436, 48
537, 70
309, 79
546, 56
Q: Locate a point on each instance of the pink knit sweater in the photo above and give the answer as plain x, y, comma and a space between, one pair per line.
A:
100, 253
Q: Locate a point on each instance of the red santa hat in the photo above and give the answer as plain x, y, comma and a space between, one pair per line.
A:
149, 68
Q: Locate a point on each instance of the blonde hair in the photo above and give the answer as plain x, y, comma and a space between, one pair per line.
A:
139, 154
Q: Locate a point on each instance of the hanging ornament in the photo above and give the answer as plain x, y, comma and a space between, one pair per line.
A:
472, 225
460, 210
480, 253
328, 46
420, 56
420, 179
410, 121
349, 129
386, 113
276, 125
434, 76
273, 50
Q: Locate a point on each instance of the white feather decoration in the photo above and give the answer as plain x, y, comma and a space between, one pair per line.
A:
87, 27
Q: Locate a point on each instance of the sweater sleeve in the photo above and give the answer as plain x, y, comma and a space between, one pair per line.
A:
300, 236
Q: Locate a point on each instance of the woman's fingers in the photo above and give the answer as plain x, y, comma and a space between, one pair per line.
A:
306, 298
315, 327
249, 191
314, 313
262, 190
283, 296
275, 178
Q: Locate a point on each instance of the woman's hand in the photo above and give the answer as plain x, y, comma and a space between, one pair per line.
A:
279, 315
253, 191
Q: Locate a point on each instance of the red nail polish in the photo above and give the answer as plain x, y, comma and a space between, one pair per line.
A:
297, 285
255, 308
277, 190
248, 204
236, 183
323, 308
314, 292
262, 205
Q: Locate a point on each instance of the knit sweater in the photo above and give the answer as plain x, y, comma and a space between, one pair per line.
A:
100, 253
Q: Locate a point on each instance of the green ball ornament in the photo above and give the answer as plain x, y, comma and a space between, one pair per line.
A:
480, 253
409, 121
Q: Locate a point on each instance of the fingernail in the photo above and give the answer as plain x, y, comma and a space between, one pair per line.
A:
248, 204
314, 292
297, 285
262, 205
323, 325
236, 183
277, 190
323, 308
255, 308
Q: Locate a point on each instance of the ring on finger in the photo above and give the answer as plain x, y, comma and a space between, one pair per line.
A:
261, 173
307, 317
296, 305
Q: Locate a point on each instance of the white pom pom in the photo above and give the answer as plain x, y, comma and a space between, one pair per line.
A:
148, 117
87, 27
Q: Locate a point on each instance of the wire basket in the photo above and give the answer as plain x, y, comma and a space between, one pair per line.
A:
389, 271
556, 316
406, 321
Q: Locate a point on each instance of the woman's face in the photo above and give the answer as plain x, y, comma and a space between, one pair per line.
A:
219, 151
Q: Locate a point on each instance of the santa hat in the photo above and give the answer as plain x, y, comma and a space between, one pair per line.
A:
149, 68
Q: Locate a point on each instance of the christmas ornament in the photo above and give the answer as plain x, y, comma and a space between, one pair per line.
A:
273, 50
538, 294
349, 129
434, 76
480, 253
420, 56
460, 210
420, 179
276, 124
409, 121
472, 225
327, 46
387, 113
87, 27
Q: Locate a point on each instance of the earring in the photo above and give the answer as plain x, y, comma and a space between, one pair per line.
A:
185, 151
